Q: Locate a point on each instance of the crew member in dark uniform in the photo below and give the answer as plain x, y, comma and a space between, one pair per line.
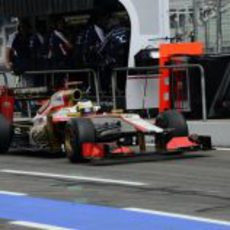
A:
17, 55
39, 52
94, 36
60, 52
114, 53
60, 48
39, 46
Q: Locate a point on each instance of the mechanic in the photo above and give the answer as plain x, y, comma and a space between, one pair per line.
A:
114, 52
116, 44
39, 51
94, 36
39, 46
17, 55
60, 47
60, 51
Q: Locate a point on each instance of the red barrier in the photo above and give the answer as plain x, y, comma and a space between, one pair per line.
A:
166, 51
6, 103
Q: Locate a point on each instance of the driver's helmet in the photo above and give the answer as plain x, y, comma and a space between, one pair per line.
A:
85, 107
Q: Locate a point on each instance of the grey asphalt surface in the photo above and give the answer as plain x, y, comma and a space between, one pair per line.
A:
197, 186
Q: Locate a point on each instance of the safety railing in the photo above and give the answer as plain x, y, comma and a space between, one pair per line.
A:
51, 74
155, 68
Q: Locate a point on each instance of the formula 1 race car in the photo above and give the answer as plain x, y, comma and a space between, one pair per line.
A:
67, 122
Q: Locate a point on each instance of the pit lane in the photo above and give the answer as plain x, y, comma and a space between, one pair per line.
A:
194, 186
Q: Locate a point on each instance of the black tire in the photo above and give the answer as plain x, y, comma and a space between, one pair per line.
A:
6, 133
78, 131
174, 120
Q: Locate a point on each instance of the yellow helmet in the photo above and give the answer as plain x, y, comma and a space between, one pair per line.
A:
85, 107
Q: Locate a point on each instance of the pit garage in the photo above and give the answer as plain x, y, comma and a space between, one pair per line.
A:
101, 49
127, 28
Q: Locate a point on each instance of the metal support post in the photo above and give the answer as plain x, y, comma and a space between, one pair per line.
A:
219, 37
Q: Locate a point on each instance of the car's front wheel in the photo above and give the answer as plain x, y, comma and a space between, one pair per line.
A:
172, 119
78, 131
174, 125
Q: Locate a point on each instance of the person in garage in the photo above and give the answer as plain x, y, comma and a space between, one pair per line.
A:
60, 47
94, 36
17, 54
60, 51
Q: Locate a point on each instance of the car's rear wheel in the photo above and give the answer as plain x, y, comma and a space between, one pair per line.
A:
172, 119
78, 131
6, 133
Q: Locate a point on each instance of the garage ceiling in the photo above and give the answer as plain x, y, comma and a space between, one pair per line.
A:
24, 8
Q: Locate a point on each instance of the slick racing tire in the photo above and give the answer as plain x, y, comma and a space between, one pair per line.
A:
78, 131
174, 120
6, 133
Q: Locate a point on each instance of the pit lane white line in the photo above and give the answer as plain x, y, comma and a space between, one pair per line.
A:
167, 214
222, 149
12, 193
37, 225
81, 178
